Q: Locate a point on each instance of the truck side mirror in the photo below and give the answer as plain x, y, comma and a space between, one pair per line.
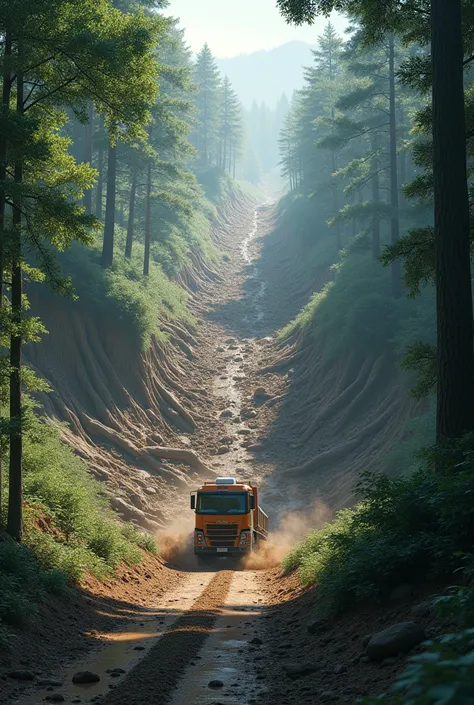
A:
193, 501
252, 501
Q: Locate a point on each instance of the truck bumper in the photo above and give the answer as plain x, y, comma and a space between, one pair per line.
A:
234, 551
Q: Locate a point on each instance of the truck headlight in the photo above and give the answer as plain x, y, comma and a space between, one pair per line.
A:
244, 538
199, 539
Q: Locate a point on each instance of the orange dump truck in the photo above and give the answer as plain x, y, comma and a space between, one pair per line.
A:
229, 519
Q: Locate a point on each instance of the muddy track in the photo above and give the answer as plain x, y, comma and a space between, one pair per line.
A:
168, 657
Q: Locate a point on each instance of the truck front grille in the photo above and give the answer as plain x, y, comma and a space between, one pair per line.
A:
222, 535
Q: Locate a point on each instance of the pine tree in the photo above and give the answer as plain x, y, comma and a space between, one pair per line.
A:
207, 78
230, 130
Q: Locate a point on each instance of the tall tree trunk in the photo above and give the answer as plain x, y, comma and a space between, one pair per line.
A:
131, 216
146, 261
100, 169
335, 205
225, 154
109, 226
395, 217
6, 92
353, 221
375, 200
455, 357
15, 488
88, 155
100, 183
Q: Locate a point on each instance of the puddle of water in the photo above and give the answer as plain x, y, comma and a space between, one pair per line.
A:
120, 650
224, 656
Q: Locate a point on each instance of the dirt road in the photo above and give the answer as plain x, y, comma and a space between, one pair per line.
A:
201, 641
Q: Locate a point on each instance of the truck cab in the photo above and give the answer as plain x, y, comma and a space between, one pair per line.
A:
229, 520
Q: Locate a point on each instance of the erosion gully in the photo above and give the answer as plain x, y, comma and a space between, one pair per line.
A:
199, 644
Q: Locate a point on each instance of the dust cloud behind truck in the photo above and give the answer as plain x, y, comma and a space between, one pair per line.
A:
229, 519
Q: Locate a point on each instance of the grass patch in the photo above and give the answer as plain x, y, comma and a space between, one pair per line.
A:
217, 184
123, 293
356, 308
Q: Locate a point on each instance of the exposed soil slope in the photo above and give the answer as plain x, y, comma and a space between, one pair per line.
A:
135, 417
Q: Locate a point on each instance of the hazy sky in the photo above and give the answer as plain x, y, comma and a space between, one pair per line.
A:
233, 27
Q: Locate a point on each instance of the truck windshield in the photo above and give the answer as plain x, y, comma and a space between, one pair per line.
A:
222, 503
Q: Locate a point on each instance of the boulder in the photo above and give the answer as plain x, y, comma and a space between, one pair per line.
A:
216, 684
256, 446
399, 638
83, 677
226, 440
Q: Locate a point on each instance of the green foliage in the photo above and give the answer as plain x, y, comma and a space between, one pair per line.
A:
135, 536
17, 569
354, 310
69, 530
58, 482
403, 530
442, 675
122, 291
217, 185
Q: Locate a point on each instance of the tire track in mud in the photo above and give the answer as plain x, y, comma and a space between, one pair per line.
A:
234, 654
154, 678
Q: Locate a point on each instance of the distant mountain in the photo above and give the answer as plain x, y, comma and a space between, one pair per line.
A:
265, 75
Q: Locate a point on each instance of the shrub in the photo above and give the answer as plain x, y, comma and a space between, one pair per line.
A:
442, 675
17, 572
69, 530
404, 529
145, 541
